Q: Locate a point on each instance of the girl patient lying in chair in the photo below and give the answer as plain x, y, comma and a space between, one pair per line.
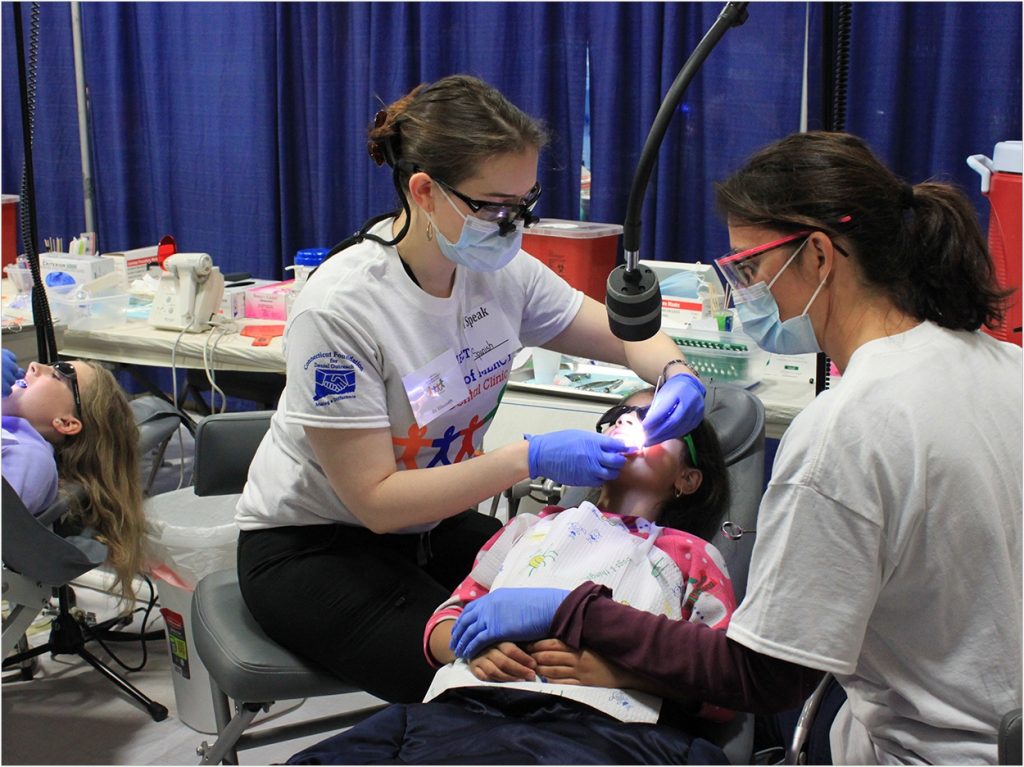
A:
544, 702
70, 422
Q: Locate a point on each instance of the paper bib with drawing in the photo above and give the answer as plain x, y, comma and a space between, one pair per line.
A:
563, 550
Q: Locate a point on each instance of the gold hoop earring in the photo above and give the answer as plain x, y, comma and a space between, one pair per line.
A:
430, 231
679, 492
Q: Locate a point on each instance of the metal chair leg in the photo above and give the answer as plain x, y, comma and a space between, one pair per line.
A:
223, 749
156, 710
795, 754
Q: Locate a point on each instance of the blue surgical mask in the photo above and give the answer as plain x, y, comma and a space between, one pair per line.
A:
759, 313
683, 283
481, 246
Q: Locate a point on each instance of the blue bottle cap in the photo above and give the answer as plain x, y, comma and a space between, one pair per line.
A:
310, 256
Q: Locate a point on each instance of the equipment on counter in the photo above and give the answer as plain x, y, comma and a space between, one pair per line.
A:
189, 293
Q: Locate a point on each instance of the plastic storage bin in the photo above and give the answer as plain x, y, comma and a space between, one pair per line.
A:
20, 277
190, 537
721, 357
89, 313
582, 252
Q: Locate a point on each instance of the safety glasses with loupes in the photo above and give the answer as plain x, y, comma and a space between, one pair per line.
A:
500, 212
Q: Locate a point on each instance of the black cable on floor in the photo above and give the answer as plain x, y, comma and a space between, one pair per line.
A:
142, 637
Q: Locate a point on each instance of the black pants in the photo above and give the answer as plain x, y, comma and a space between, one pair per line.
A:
357, 602
491, 725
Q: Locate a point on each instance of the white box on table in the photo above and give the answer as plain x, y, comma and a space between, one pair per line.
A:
268, 302
83, 268
132, 264
232, 306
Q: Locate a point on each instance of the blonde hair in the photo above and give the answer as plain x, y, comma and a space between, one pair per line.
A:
104, 459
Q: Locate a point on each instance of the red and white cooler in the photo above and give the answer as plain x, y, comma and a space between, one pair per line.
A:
1001, 184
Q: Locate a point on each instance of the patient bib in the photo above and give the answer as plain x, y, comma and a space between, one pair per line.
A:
562, 551
581, 544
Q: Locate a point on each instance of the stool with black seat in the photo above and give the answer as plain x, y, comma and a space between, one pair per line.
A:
37, 562
243, 663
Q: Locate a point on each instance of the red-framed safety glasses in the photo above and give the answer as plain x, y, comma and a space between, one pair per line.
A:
735, 266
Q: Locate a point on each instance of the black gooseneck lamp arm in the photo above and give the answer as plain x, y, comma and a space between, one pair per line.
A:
634, 298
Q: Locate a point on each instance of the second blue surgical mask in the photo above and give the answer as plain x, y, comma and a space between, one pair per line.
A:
682, 283
481, 246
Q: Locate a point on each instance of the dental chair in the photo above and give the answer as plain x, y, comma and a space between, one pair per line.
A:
158, 420
37, 561
737, 416
244, 664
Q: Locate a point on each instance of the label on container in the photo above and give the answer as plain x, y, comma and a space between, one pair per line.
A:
176, 640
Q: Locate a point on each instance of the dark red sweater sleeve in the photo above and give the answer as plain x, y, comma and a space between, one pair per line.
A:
702, 663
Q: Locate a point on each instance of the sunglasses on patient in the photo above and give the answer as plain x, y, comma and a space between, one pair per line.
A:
615, 413
66, 371
610, 418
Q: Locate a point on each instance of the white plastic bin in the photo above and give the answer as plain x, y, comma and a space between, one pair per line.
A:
190, 537
89, 313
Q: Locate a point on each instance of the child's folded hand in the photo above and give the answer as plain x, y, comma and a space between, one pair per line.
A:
503, 662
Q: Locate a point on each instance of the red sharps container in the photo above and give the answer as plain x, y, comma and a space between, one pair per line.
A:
1001, 184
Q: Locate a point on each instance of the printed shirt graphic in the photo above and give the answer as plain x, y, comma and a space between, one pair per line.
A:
660, 570
357, 328
334, 377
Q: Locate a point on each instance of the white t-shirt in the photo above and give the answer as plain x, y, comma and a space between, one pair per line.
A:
358, 328
888, 547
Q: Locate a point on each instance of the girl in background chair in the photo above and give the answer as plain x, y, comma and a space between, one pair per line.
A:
71, 422
543, 702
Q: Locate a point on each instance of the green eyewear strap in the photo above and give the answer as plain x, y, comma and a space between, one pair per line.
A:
693, 451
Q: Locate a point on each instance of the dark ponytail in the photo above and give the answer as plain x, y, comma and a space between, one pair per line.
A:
921, 245
953, 280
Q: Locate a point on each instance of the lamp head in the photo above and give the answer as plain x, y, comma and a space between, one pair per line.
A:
634, 303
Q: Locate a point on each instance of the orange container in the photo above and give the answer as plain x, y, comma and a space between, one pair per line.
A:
582, 252
9, 240
1001, 184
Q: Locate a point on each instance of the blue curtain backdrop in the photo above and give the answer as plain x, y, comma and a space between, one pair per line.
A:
240, 127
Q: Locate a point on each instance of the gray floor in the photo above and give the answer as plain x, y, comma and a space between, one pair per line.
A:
70, 714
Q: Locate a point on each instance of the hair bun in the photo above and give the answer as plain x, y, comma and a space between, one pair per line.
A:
377, 145
376, 150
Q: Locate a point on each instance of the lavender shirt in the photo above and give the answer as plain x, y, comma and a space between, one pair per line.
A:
28, 464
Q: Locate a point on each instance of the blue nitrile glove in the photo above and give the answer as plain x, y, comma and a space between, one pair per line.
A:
576, 457
11, 372
509, 614
676, 410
